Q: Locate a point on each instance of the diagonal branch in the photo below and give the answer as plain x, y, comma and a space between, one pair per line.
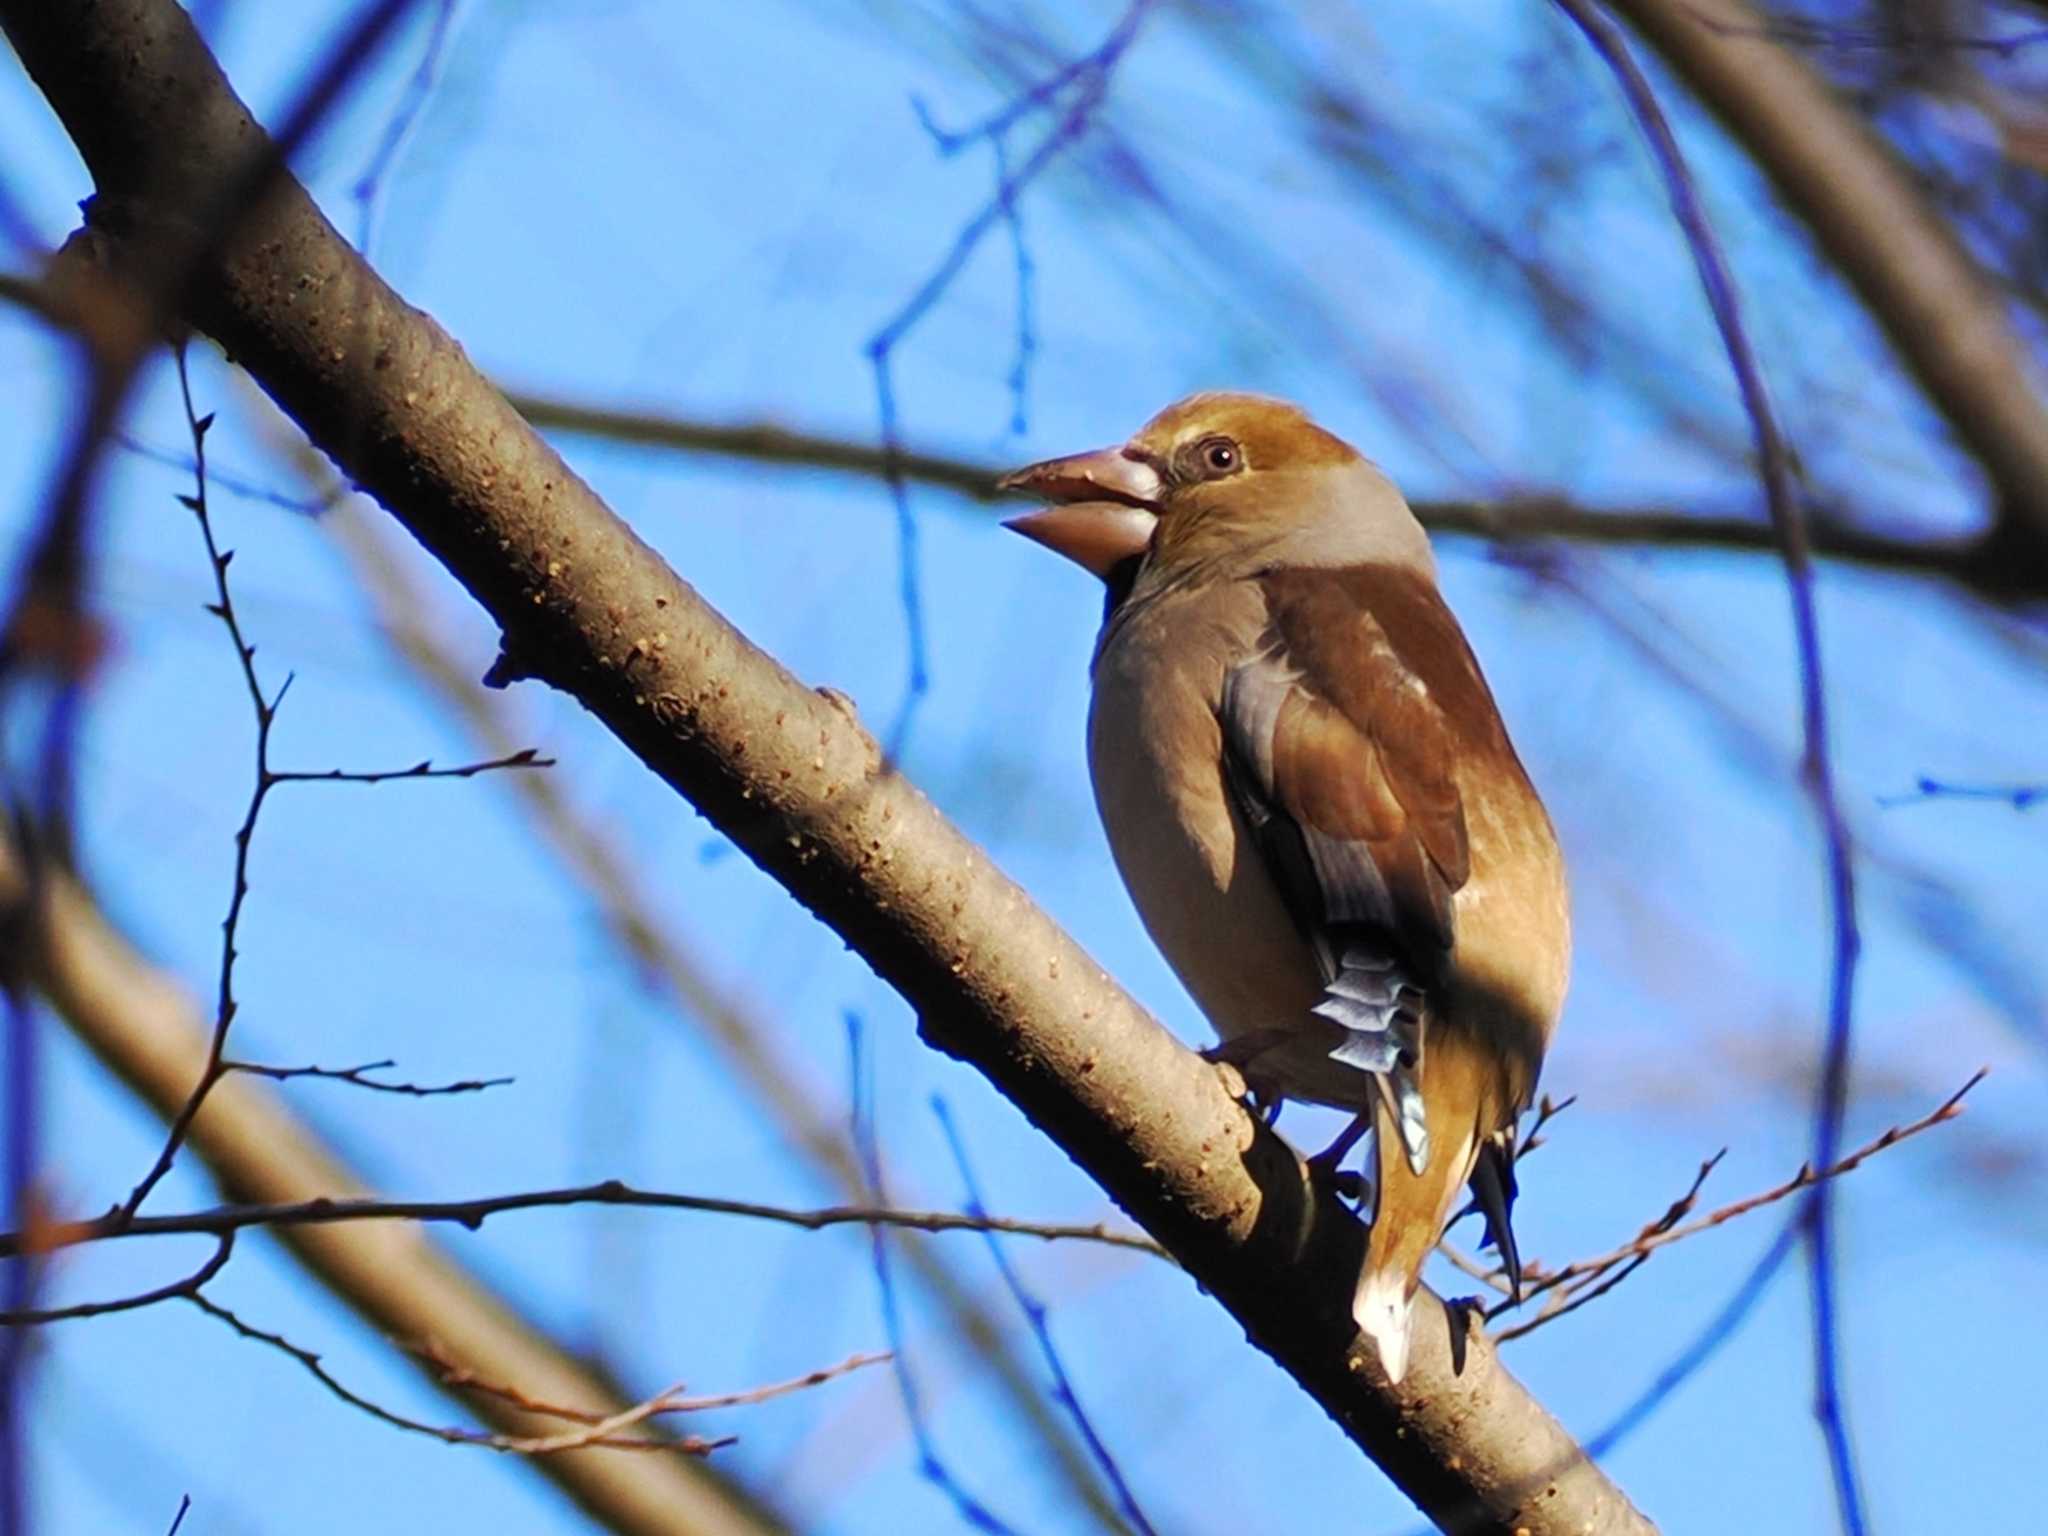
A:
1915, 277
792, 777
743, 1037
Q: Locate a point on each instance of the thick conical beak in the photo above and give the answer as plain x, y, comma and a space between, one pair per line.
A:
1105, 507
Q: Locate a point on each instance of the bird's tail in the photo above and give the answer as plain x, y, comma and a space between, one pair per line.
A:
1410, 1208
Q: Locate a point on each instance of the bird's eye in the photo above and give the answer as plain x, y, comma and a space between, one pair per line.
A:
1219, 455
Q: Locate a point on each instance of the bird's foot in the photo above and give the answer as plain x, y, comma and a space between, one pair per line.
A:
1326, 1170
1344, 1183
1242, 1050
1463, 1314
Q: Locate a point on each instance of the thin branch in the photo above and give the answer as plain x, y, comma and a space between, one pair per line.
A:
1465, 1263
606, 1432
222, 608
1546, 1111
525, 758
266, 779
368, 191
145, 1028
188, 1288
930, 1465
1034, 1313
1578, 1278
357, 1077
1704, 1346
224, 1219
184, 1504
2021, 797
243, 486
1563, 1300
1088, 78
461, 1377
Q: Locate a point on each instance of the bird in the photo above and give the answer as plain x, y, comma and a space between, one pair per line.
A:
1309, 792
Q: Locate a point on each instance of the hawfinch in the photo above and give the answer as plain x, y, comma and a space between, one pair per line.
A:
1312, 799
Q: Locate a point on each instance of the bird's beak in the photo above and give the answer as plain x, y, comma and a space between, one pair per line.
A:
1105, 506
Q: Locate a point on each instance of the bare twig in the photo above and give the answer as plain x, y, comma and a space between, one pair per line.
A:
243, 486
187, 1288
149, 1033
223, 608
368, 191
1546, 1111
472, 1214
1077, 92
525, 758
1577, 1279
2021, 797
1563, 1300
452, 1374
930, 1464
607, 1432
1034, 1313
267, 778
359, 1078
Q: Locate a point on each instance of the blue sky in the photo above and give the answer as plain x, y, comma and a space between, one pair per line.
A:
707, 211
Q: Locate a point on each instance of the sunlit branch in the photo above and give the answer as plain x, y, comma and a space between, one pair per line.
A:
1577, 1280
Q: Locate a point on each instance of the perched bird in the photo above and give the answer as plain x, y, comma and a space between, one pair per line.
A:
1310, 794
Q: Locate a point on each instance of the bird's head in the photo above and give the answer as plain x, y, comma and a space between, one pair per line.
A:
1211, 476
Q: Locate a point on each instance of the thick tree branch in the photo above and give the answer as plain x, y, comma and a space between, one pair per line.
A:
1899, 254
746, 1041
152, 1035
791, 776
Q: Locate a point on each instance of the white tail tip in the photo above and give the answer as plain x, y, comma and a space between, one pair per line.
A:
1381, 1310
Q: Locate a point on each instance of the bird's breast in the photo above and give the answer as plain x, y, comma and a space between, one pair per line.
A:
1155, 752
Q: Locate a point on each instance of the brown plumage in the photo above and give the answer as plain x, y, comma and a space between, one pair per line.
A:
1313, 801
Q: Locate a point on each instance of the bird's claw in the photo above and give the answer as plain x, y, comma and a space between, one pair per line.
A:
1463, 1314
1344, 1183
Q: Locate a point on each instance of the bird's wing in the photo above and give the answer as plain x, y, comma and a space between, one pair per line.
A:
1342, 759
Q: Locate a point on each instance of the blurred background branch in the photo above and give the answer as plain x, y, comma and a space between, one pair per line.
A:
146, 1029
